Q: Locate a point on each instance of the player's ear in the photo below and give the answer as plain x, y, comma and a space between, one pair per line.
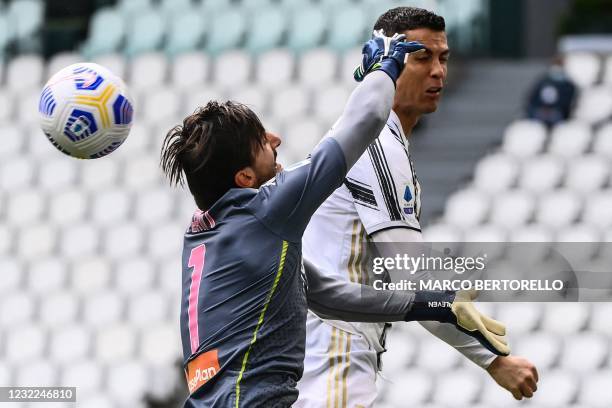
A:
245, 178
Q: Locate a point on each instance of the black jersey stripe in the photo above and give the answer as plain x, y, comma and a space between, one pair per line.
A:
385, 180
360, 193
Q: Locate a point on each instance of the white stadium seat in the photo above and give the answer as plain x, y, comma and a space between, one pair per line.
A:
301, 137
16, 173
90, 275
541, 348
36, 373
13, 140
437, 356
350, 60
559, 208
596, 391
145, 31
466, 208
556, 389
329, 102
169, 278
12, 274
418, 388
253, 96
27, 107
135, 276
62, 60
585, 353
101, 173
161, 345
128, 372
570, 139
275, 69
147, 309
36, 242
541, 174
69, 344
79, 240
597, 210
6, 239
401, 350
290, 103
58, 173
25, 73
199, 97
25, 207
68, 207
39, 146
58, 309
606, 77
496, 173
531, 233
442, 233
524, 138
519, 317
582, 67
142, 173
16, 308
588, 174
86, 375
186, 29
189, 70
124, 241
98, 400
603, 140
25, 343
114, 62
103, 309
595, 105
317, 67
163, 240
232, 69
600, 319
137, 142
457, 387
47, 275
114, 344
5, 374
154, 206
110, 207
564, 318
578, 243
106, 32
147, 71
160, 105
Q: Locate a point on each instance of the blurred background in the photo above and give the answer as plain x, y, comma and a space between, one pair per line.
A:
520, 150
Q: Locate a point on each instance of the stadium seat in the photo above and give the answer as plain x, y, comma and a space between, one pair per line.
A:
47, 275
38, 372
13, 140
25, 207
252, 96
7, 32
301, 137
520, 317
58, 309
25, 343
557, 388
69, 344
565, 318
596, 391
200, 96
401, 350
541, 174
114, 344
131, 7
524, 138
115, 62
306, 27
106, 33
437, 356
570, 139
62, 60
457, 388
350, 60
154, 206
38, 145
347, 28
558, 209
329, 103
160, 105
232, 69
102, 309
512, 209
90, 275
594, 105
142, 173
597, 210
442, 233
86, 375
161, 345
531, 233
578, 243
420, 389
603, 140
169, 278
587, 174
57, 174
147, 309
158, 244
134, 276
147, 71
267, 27
575, 359
227, 30
25, 73
189, 70
215, 4
582, 68
11, 275
67, 207
6, 374
600, 319
541, 348
27, 108
317, 68
17, 307
100, 174
6, 113
123, 241
496, 173
27, 17
606, 77
186, 31
6, 239
290, 104
128, 372
81, 239
110, 206
275, 68
466, 208
36, 241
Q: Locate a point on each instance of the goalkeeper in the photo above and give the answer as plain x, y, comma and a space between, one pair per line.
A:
243, 309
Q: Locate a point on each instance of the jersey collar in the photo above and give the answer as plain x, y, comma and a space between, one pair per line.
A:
394, 122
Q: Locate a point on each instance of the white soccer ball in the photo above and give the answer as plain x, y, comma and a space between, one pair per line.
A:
85, 111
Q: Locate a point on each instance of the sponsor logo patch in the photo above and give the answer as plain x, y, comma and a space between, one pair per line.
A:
201, 369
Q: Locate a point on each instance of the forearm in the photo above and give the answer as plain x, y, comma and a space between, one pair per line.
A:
466, 345
364, 116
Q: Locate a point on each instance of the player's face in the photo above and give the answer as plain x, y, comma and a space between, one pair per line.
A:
420, 85
265, 165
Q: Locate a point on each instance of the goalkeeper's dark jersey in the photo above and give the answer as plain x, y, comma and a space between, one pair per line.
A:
243, 308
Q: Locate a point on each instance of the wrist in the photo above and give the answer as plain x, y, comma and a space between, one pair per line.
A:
433, 306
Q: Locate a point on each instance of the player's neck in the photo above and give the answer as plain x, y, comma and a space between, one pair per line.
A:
408, 121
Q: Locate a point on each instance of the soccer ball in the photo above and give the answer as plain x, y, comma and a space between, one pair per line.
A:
85, 111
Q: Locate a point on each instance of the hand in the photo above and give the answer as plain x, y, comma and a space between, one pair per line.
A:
487, 331
515, 374
387, 54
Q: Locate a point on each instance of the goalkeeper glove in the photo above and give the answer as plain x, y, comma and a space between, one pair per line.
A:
387, 54
457, 308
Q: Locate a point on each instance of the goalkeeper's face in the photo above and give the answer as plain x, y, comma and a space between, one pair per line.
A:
264, 165
421, 83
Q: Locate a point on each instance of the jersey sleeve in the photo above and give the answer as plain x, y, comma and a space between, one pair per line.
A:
286, 203
384, 188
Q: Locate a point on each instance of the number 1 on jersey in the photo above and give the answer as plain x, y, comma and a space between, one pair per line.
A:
196, 261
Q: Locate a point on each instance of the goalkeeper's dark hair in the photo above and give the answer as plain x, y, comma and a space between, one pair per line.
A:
400, 19
209, 148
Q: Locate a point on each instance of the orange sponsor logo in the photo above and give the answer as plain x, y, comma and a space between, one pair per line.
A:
201, 369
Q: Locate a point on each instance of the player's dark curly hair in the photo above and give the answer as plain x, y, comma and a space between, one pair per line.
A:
209, 148
400, 19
